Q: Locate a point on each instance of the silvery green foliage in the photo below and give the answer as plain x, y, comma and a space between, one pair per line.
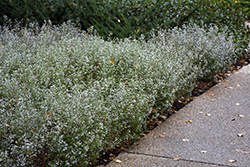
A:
185, 55
66, 95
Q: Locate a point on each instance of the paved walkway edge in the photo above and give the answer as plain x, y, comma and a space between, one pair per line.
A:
217, 135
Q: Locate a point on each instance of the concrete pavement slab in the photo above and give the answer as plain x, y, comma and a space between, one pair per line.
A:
213, 129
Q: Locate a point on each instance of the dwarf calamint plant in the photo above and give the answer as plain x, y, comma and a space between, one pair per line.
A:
66, 96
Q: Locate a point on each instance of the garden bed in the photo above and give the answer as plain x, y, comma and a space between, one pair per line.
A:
66, 95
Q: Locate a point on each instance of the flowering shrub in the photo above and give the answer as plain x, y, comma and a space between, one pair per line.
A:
66, 95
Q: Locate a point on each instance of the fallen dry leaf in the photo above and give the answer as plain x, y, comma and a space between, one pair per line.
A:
162, 136
153, 110
245, 152
185, 140
242, 60
226, 80
176, 159
48, 115
238, 150
241, 116
234, 71
152, 123
112, 61
164, 117
118, 161
232, 161
241, 134
188, 121
172, 110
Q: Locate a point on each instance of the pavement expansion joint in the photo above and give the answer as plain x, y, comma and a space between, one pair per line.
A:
158, 156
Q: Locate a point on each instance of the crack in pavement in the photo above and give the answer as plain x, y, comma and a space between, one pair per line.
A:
179, 159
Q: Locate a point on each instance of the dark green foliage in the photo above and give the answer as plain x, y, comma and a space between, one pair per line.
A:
228, 13
139, 17
129, 17
124, 18
57, 11
132, 18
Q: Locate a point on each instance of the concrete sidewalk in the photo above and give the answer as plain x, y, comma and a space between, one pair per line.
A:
212, 130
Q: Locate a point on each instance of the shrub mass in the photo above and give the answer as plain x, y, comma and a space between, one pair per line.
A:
66, 95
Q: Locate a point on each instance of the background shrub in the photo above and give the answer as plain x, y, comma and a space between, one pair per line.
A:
134, 17
66, 95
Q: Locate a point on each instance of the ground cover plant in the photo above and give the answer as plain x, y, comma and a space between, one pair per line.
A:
66, 95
